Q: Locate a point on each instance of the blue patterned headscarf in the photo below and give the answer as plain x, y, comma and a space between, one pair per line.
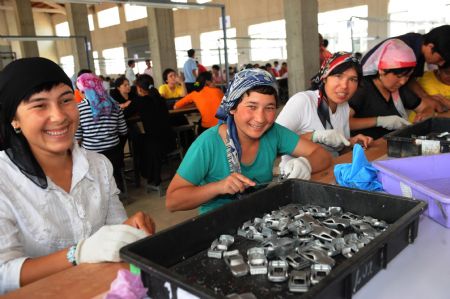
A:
242, 82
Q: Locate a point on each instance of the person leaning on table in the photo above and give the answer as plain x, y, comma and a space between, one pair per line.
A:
240, 152
59, 204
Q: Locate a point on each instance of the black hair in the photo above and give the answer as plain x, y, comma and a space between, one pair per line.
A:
339, 70
263, 89
119, 81
325, 43
166, 74
216, 67
446, 65
202, 78
84, 71
347, 65
440, 38
191, 52
47, 86
145, 82
399, 71
131, 62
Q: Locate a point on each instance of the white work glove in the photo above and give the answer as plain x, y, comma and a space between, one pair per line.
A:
392, 122
104, 245
297, 168
330, 137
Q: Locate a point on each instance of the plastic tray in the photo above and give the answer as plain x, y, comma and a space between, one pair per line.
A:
401, 143
425, 177
175, 260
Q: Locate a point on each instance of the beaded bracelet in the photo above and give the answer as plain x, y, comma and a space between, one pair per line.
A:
71, 255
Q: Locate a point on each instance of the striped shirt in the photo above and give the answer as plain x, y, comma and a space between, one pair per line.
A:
103, 134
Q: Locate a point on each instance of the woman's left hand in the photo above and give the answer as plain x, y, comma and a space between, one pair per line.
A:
363, 140
142, 221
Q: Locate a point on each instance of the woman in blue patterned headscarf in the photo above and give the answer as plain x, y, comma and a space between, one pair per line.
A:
241, 150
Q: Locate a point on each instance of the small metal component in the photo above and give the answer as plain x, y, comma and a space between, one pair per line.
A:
224, 242
337, 222
324, 233
299, 227
236, 263
213, 251
257, 261
334, 211
317, 256
326, 247
318, 272
297, 262
316, 211
278, 271
307, 218
299, 281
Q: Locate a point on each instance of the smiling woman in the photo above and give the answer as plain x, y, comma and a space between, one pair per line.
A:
219, 163
59, 205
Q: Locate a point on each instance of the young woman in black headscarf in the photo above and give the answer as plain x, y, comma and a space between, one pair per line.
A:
59, 204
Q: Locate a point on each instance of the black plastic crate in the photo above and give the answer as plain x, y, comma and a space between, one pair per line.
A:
177, 256
402, 143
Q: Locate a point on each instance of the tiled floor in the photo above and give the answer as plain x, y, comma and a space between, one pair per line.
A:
154, 205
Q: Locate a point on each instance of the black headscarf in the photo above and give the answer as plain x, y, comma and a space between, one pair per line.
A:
17, 80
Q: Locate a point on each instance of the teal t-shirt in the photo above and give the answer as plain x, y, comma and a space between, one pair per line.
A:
206, 160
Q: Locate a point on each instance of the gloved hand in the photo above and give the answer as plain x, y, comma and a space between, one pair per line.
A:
392, 122
330, 137
104, 245
298, 168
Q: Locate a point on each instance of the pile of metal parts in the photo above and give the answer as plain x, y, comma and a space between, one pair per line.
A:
297, 243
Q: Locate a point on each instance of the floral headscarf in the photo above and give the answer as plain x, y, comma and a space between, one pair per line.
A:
243, 81
101, 103
328, 66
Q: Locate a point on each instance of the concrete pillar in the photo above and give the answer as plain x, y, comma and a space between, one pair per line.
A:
378, 21
162, 41
25, 24
302, 42
77, 16
243, 45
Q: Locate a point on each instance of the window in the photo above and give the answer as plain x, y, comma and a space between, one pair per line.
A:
96, 63
114, 61
182, 44
62, 29
426, 15
108, 17
345, 29
268, 41
91, 23
211, 44
135, 12
68, 65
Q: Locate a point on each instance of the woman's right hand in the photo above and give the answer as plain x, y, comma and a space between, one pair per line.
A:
104, 244
235, 183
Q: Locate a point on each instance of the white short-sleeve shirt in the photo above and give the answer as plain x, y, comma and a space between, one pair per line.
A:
300, 115
36, 222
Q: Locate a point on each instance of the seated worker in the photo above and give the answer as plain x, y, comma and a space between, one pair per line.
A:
158, 138
379, 105
432, 48
322, 114
437, 84
102, 124
240, 152
174, 86
59, 204
122, 94
207, 100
